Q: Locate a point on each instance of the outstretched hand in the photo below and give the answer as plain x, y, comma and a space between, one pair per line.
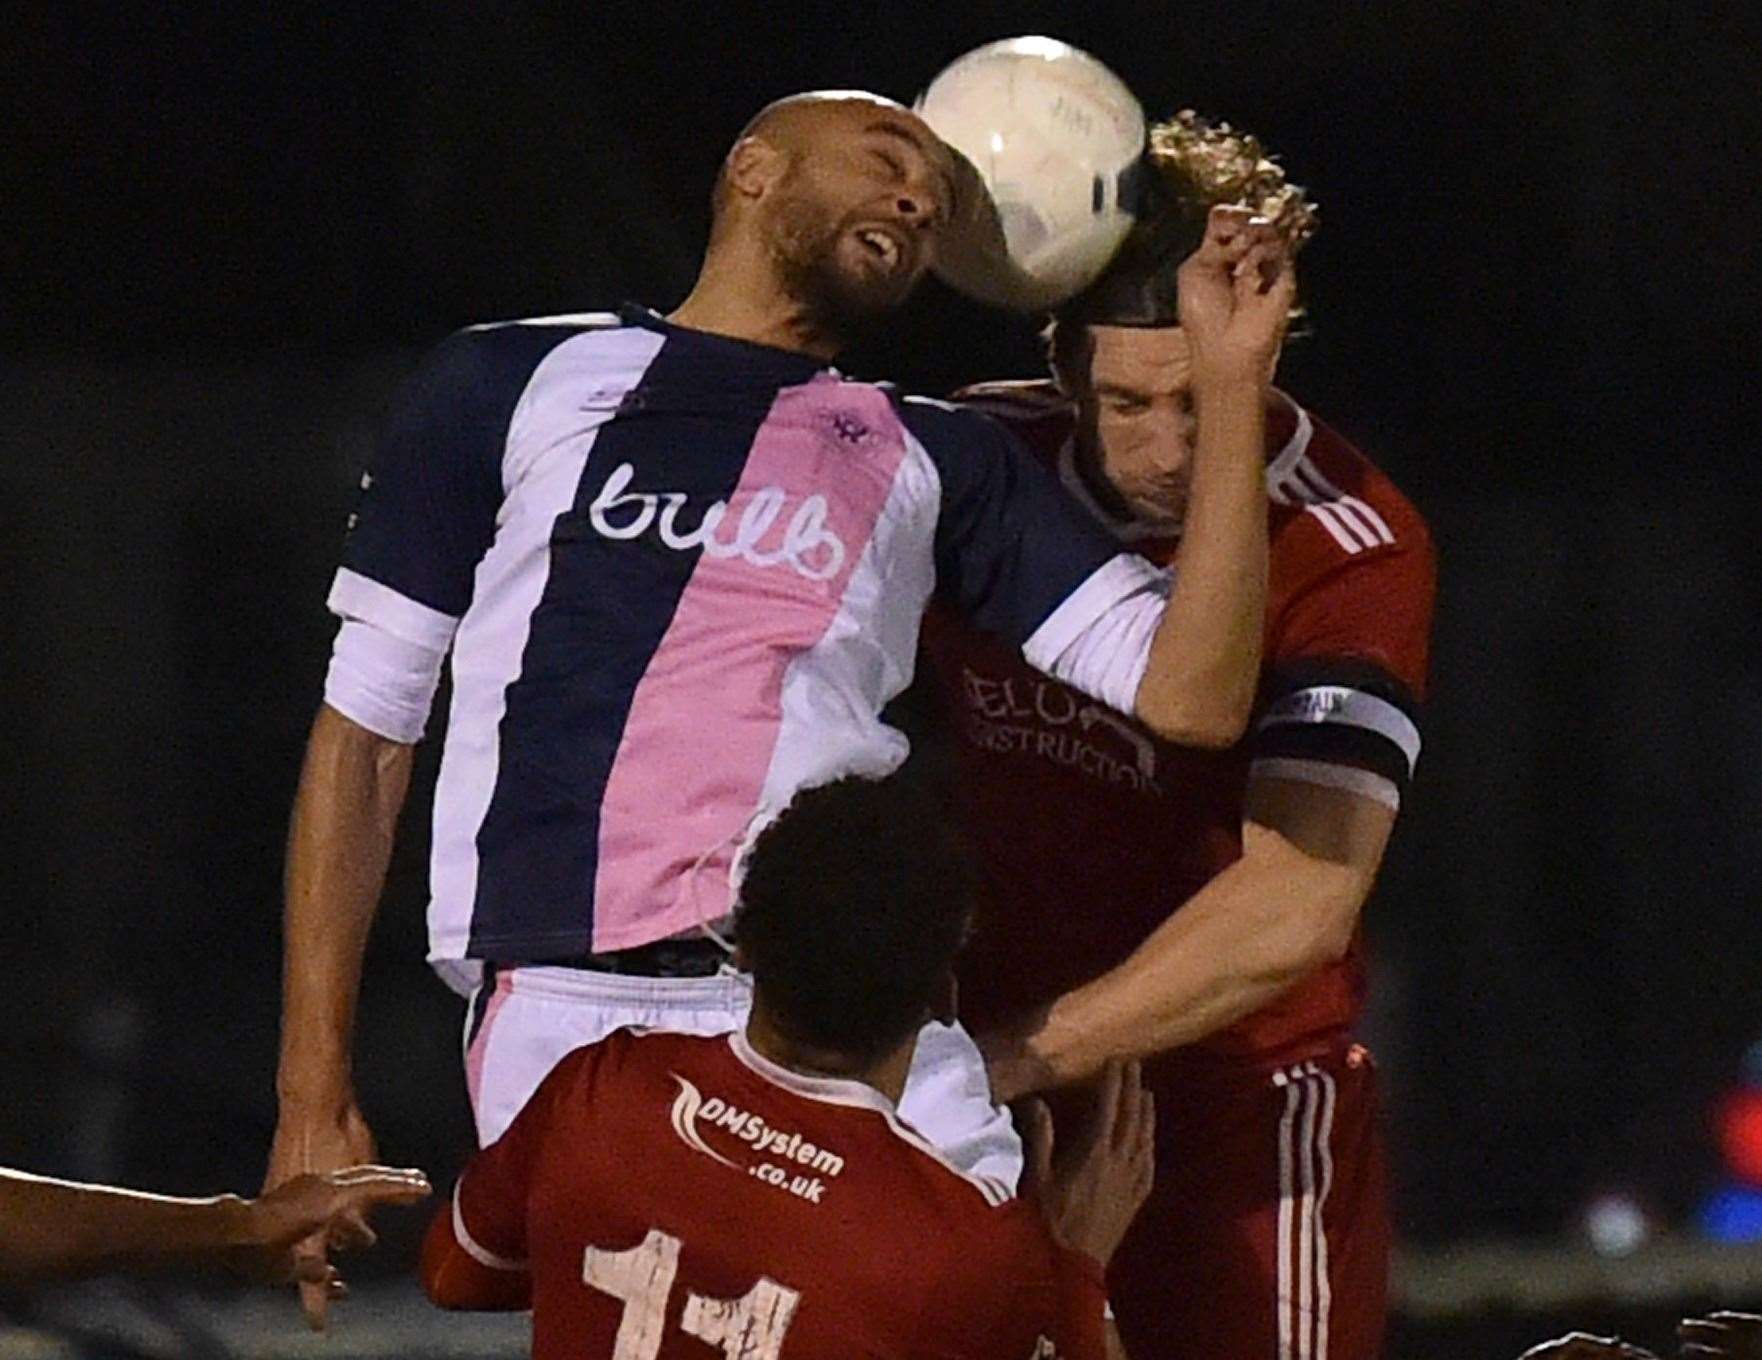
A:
330, 1208
307, 1143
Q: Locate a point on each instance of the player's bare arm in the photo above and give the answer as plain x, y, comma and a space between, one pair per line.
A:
352, 789
1287, 907
1236, 292
51, 1228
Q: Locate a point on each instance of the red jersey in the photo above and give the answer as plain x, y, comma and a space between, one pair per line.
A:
1091, 831
669, 1196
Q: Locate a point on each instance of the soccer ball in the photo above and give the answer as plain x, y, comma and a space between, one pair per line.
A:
1055, 142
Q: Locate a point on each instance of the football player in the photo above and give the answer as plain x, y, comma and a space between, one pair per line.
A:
1199, 909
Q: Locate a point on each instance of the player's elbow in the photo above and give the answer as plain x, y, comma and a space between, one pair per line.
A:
1213, 723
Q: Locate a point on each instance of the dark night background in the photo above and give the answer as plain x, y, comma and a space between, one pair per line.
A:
226, 233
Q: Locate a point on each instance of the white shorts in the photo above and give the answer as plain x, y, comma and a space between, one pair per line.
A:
536, 1015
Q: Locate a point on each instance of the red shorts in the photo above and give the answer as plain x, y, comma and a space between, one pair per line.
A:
1267, 1234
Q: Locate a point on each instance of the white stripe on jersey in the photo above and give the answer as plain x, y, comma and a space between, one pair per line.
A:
1293, 478
867, 651
1346, 778
541, 485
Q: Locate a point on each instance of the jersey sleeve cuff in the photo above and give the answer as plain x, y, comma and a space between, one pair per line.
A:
471, 1246
354, 596
382, 682
1098, 640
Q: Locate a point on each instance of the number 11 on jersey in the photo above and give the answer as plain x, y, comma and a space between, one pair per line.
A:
641, 1278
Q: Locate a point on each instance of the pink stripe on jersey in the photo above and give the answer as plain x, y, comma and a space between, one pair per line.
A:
705, 717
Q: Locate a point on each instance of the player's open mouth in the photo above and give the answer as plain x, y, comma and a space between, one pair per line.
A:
885, 247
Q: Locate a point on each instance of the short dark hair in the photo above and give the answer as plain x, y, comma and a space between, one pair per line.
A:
854, 904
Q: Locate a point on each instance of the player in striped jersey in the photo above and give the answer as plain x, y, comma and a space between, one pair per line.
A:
1233, 950
679, 565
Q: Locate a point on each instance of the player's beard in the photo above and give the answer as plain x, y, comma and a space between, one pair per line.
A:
838, 299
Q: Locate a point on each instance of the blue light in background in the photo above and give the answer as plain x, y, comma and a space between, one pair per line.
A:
1733, 1213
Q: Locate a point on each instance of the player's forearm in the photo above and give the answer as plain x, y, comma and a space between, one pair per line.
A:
1205, 658
345, 816
1261, 926
59, 1228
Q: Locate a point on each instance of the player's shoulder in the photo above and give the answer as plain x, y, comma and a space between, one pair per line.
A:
487, 361
988, 421
1331, 504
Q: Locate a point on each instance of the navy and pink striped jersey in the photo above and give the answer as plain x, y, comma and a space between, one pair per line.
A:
679, 575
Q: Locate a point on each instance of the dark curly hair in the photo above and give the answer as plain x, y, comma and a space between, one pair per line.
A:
853, 906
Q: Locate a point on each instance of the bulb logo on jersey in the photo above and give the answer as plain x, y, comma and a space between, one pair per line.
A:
782, 1149
807, 545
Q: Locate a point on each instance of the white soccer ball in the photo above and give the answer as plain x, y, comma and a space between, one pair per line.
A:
1056, 140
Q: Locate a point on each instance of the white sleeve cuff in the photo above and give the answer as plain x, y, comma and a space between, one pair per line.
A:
1098, 640
472, 1247
382, 681
354, 596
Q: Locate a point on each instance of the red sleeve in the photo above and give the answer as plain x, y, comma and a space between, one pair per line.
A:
1346, 670
475, 1253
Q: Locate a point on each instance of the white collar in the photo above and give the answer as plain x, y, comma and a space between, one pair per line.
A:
828, 1090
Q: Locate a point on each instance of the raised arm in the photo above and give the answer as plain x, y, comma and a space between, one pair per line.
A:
1235, 297
352, 789
1286, 908
52, 1228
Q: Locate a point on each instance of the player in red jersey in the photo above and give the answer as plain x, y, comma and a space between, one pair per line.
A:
1230, 958
757, 1193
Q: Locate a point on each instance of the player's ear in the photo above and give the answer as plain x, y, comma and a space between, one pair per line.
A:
753, 167
742, 960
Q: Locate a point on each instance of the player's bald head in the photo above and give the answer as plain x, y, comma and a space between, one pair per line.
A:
800, 124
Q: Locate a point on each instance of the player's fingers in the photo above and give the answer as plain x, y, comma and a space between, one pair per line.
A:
1131, 1105
365, 1187
1227, 235
1037, 1134
349, 1232
1107, 1102
315, 1303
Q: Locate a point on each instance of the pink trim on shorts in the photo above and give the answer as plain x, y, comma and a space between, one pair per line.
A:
474, 1055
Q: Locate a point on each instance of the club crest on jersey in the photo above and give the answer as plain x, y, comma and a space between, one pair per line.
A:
783, 1152
806, 545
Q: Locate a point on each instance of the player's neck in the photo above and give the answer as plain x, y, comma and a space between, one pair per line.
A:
740, 297
886, 1076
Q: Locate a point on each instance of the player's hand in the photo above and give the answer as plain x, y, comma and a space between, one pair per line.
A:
307, 1141
1236, 292
1580, 1346
1092, 1189
1727, 1336
331, 1207
1012, 1064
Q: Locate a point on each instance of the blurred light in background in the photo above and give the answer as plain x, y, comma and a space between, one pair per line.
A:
1616, 1224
